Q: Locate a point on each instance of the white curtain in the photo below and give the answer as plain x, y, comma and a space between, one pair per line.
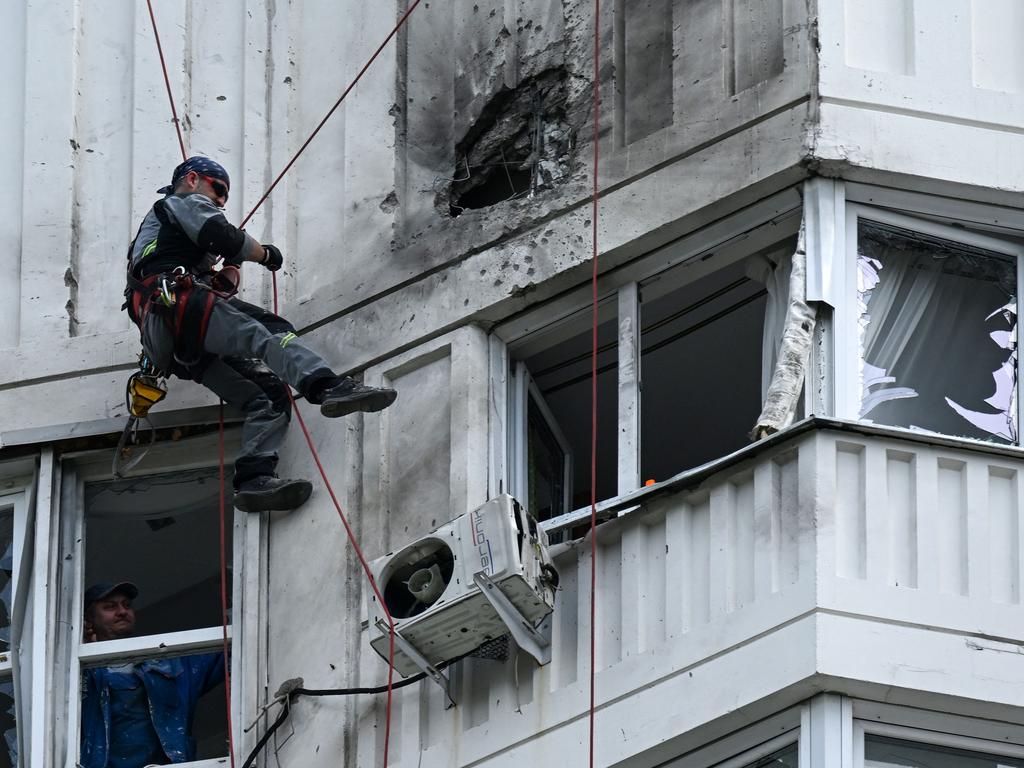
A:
938, 335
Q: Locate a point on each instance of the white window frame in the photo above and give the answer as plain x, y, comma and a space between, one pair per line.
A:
524, 388
705, 251
18, 480
65, 535
847, 342
933, 728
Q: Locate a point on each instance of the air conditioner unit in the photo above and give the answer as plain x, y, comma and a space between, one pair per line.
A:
442, 591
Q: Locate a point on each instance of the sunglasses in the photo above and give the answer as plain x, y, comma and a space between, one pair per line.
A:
219, 188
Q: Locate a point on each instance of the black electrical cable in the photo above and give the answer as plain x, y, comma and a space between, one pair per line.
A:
286, 708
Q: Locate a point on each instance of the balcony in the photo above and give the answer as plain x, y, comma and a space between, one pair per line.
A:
834, 556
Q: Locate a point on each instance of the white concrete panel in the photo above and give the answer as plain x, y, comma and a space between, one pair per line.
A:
318, 67
998, 61
1004, 552
13, 63
101, 216
880, 35
914, 658
850, 512
786, 529
901, 505
154, 149
424, 461
51, 42
743, 542
986, 156
951, 516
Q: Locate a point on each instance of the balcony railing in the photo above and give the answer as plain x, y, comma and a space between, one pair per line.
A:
715, 587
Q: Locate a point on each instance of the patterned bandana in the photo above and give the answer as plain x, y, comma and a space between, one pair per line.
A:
204, 166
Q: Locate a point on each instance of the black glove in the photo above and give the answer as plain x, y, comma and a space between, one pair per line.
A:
272, 258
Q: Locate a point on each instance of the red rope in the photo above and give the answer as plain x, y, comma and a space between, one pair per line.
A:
362, 561
220, 440
593, 375
167, 82
331, 111
224, 591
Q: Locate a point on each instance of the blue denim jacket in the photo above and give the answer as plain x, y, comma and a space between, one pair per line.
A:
173, 687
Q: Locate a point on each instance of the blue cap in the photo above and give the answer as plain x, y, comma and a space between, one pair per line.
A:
204, 166
101, 589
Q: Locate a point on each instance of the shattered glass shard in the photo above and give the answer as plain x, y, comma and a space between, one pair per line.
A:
934, 354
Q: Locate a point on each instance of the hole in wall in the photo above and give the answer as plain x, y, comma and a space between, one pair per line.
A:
520, 144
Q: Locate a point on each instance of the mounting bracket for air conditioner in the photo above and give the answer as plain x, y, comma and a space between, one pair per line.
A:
527, 636
420, 661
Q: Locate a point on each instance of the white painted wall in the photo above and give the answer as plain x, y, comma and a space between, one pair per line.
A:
922, 88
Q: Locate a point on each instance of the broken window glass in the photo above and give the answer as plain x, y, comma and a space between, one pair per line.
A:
162, 533
885, 752
938, 334
700, 369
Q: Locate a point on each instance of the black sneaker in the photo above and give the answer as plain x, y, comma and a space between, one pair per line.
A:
350, 396
266, 492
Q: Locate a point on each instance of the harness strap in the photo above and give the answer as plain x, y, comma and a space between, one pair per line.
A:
191, 319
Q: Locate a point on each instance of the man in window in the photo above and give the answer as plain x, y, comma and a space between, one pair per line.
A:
138, 714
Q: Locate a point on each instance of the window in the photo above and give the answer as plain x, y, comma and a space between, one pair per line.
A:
889, 736
14, 497
551, 389
161, 533
684, 358
925, 323
937, 332
887, 752
701, 364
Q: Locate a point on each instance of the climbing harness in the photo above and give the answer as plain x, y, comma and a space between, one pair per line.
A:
184, 301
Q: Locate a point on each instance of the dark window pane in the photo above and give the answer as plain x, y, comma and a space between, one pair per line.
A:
545, 462
8, 726
162, 533
938, 328
884, 752
700, 371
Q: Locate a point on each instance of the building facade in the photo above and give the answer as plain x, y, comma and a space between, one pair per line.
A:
821, 192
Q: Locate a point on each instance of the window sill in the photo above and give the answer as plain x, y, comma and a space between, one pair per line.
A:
152, 646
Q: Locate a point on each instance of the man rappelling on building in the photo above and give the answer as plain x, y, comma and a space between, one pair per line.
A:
194, 327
